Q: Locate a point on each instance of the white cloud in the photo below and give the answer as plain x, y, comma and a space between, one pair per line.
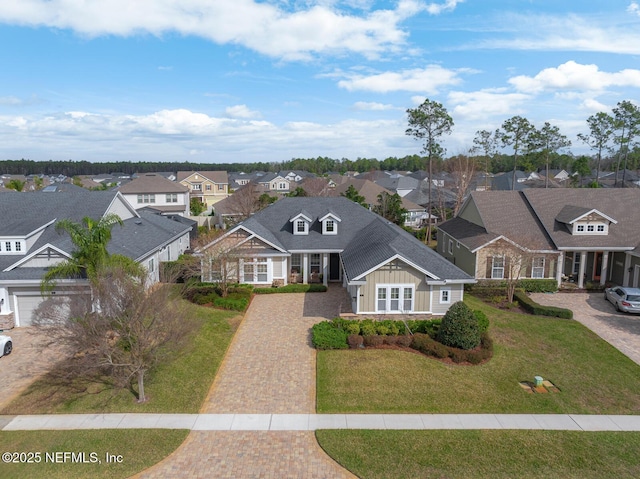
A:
241, 111
594, 106
427, 80
486, 103
575, 76
634, 8
10, 100
266, 28
563, 33
438, 8
372, 106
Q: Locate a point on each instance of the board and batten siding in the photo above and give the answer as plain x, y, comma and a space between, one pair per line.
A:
400, 273
456, 292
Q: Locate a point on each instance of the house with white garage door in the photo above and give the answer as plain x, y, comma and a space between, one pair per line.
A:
30, 243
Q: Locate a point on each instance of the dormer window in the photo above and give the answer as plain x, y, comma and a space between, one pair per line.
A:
301, 223
329, 223
589, 228
302, 227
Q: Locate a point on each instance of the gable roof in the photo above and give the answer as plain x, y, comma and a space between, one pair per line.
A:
152, 183
370, 191
213, 176
364, 239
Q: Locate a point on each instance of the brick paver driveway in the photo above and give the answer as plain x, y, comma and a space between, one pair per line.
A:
30, 358
591, 309
270, 368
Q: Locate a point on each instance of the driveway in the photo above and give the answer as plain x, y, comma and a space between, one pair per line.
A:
621, 330
29, 359
270, 367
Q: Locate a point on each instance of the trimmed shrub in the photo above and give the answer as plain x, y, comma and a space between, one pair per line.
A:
368, 328
355, 341
459, 327
231, 303
326, 335
373, 340
483, 321
293, 288
352, 327
534, 308
538, 285
429, 346
382, 329
404, 340
425, 326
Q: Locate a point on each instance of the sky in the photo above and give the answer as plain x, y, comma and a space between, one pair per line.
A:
244, 81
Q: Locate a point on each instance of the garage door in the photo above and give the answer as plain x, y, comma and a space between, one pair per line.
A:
26, 307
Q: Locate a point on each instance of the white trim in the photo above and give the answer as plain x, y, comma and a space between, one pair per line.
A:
30, 256
393, 258
233, 230
445, 290
401, 288
593, 210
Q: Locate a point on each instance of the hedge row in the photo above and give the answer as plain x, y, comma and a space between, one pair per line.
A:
526, 284
387, 327
293, 288
429, 346
534, 308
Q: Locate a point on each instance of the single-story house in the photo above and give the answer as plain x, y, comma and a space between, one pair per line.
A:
325, 239
580, 235
29, 242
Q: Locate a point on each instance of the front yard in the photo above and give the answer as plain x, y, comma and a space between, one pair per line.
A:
593, 378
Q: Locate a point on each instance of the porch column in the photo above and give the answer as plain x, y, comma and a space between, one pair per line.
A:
325, 269
603, 269
286, 269
560, 269
305, 268
583, 265
626, 281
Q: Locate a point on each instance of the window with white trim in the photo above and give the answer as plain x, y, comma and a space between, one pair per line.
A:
7, 246
172, 198
600, 228
18, 246
196, 187
255, 270
497, 267
591, 228
394, 298
151, 265
296, 263
537, 267
329, 227
207, 187
450, 246
146, 198
282, 186
301, 227
314, 263
445, 295
220, 187
580, 228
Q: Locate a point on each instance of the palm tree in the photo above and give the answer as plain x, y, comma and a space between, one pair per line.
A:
90, 256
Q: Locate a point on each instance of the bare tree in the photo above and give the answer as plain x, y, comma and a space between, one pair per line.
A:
245, 201
463, 169
316, 186
134, 329
516, 132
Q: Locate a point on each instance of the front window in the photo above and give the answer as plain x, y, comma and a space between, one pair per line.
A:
296, 263
394, 298
172, 197
207, 187
146, 198
445, 295
497, 267
196, 187
220, 187
282, 186
314, 263
537, 267
255, 270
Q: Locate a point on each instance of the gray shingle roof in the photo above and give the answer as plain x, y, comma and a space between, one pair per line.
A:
152, 183
365, 239
467, 233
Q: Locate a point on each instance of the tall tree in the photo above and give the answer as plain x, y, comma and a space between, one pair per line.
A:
463, 169
601, 127
390, 207
352, 194
90, 239
485, 143
549, 140
626, 117
517, 133
428, 123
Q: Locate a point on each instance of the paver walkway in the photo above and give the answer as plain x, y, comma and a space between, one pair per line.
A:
270, 367
621, 330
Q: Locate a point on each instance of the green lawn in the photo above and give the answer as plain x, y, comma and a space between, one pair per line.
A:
139, 448
594, 377
480, 454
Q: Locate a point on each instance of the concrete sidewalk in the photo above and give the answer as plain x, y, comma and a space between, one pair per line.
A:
311, 422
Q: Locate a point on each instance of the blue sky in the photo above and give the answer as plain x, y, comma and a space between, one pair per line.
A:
242, 81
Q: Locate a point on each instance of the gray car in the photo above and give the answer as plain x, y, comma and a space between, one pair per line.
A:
624, 299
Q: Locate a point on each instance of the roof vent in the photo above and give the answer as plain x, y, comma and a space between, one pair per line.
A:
138, 222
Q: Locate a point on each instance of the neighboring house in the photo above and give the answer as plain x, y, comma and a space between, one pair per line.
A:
155, 191
558, 175
385, 269
580, 235
274, 182
416, 214
207, 186
29, 242
295, 176
402, 185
